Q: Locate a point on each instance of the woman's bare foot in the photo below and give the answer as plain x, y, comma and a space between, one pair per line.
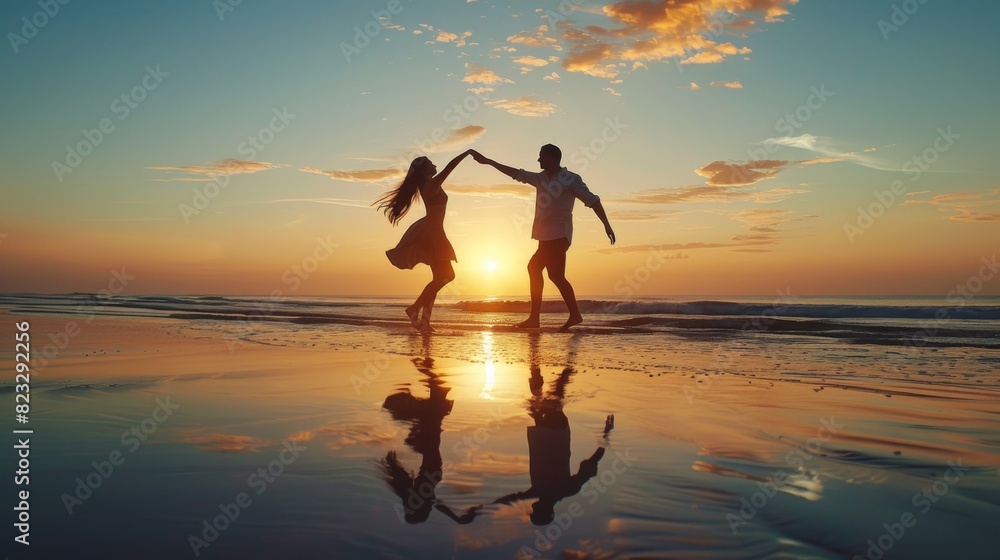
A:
527, 324
575, 319
413, 313
425, 323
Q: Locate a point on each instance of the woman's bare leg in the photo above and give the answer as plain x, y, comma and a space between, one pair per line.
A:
443, 274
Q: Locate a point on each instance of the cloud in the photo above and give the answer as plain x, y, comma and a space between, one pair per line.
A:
535, 38
365, 176
499, 190
333, 201
458, 137
688, 246
658, 30
974, 207
446, 37
641, 215
735, 84
828, 153
708, 193
766, 220
208, 172
819, 160
531, 61
223, 443
720, 173
553, 77
611, 91
476, 73
524, 106
691, 87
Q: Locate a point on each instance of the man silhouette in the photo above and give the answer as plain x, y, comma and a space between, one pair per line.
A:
557, 188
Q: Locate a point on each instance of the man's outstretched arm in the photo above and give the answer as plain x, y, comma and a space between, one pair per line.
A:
505, 169
599, 210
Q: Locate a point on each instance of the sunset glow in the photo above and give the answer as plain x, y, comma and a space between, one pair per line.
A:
721, 171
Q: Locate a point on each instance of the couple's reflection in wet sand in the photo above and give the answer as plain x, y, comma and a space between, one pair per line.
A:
548, 443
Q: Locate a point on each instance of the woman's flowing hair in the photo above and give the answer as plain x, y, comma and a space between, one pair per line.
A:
396, 203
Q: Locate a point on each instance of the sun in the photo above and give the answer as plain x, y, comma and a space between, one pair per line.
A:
490, 266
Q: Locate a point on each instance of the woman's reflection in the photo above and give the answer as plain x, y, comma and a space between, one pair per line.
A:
425, 415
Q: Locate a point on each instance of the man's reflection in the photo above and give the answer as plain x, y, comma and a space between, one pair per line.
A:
426, 415
548, 443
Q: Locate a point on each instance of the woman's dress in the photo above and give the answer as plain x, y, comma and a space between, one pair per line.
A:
425, 240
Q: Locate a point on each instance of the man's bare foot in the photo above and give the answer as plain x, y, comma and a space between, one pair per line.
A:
413, 313
527, 324
573, 320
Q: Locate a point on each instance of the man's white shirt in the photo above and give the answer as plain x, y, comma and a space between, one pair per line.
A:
554, 200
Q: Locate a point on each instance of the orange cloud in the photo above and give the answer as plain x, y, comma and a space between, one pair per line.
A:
524, 106
708, 193
975, 207
476, 73
504, 189
720, 173
365, 176
735, 84
655, 30
228, 166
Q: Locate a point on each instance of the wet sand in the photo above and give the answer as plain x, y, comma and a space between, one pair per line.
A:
277, 444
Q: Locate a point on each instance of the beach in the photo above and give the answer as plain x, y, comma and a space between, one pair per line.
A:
162, 437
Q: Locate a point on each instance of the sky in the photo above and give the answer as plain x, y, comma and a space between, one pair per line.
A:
740, 147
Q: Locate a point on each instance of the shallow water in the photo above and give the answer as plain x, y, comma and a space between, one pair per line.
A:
722, 447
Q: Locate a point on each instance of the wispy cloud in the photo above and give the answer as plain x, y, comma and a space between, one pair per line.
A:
976, 207
499, 190
709, 193
209, 171
334, 201
363, 176
524, 106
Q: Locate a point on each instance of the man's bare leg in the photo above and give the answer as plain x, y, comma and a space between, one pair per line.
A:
535, 266
557, 273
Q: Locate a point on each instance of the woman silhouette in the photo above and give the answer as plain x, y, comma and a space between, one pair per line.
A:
425, 240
